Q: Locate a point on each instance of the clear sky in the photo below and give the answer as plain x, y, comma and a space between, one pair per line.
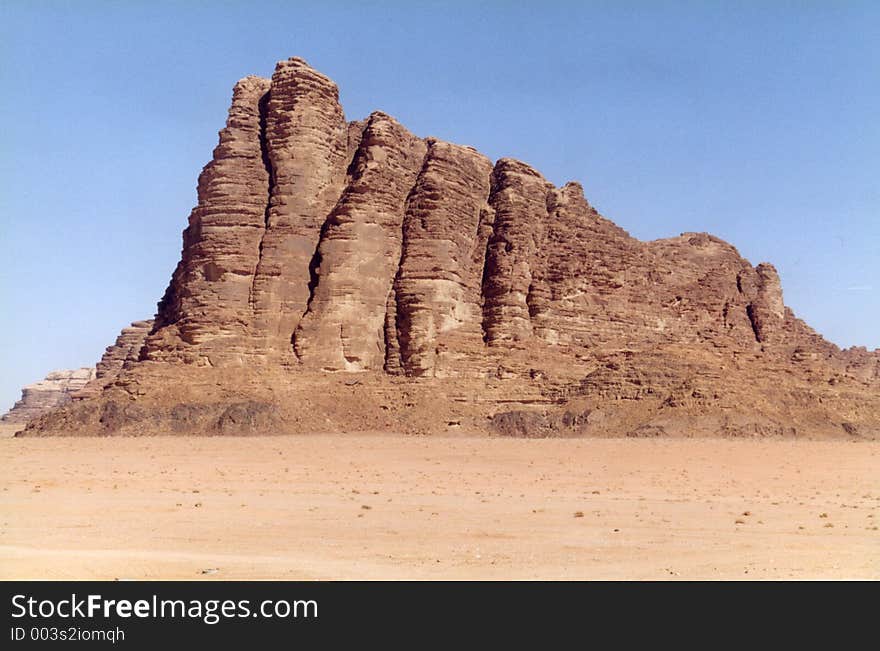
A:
756, 121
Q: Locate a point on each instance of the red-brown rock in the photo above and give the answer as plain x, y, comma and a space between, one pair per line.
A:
463, 294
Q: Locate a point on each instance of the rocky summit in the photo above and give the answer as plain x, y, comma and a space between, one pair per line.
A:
351, 276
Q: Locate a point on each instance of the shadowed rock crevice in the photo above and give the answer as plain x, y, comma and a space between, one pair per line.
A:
307, 141
267, 164
360, 244
355, 137
437, 288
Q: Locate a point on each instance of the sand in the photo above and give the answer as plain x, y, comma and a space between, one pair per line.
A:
8, 430
383, 507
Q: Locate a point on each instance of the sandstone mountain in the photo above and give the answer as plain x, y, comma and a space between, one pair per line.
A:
351, 276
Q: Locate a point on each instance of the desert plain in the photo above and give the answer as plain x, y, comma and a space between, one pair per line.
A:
406, 507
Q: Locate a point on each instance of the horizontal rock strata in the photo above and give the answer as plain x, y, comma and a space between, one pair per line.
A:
43, 396
125, 351
60, 387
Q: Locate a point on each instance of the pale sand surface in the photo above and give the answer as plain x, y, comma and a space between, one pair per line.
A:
8, 430
371, 507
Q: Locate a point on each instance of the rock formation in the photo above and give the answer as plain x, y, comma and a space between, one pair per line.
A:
61, 387
126, 349
43, 396
124, 352
460, 292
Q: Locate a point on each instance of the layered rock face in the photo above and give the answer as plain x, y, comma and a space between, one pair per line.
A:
122, 354
207, 311
61, 387
43, 396
433, 321
321, 248
358, 253
125, 350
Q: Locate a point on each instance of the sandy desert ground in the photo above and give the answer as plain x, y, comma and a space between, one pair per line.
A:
8, 430
382, 507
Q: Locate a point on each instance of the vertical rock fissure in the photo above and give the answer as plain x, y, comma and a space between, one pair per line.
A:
317, 256
480, 250
484, 280
360, 245
267, 164
306, 140
394, 344
437, 288
393, 363
753, 321
538, 294
314, 273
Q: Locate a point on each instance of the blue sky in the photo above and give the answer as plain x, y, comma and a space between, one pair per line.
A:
755, 121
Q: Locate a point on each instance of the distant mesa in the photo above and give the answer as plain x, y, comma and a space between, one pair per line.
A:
45, 395
61, 387
351, 276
